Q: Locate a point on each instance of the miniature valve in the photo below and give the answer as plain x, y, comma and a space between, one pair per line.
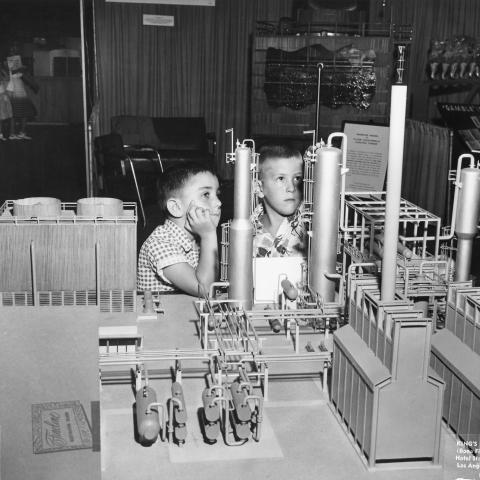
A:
178, 413
275, 325
378, 247
148, 424
148, 302
289, 289
242, 411
211, 414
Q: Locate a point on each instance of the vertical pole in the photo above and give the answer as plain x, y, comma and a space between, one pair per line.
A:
34, 274
97, 272
317, 109
450, 157
88, 152
394, 186
398, 105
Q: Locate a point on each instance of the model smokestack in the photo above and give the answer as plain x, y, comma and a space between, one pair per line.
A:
398, 104
394, 187
326, 198
241, 232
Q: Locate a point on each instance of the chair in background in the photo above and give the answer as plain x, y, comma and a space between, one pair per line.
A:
126, 172
176, 139
65, 62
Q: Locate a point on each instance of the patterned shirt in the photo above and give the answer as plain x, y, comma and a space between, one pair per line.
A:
290, 240
167, 245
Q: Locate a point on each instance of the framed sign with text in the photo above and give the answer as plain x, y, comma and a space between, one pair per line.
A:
367, 155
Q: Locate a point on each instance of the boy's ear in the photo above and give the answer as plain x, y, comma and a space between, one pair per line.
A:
258, 188
175, 207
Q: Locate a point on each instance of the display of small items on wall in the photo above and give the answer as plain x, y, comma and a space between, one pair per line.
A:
453, 58
348, 77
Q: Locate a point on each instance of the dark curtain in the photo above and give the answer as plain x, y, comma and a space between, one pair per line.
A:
425, 166
433, 19
426, 159
199, 67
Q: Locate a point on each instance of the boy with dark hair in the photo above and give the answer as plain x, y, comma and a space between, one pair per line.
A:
279, 229
182, 252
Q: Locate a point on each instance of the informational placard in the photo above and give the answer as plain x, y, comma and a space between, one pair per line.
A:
367, 155
159, 20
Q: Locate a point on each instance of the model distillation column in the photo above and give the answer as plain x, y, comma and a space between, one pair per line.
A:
468, 209
326, 198
456, 348
241, 231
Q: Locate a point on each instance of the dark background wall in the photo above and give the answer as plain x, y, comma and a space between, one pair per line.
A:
161, 87
22, 20
53, 162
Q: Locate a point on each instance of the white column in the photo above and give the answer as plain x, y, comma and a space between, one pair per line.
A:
394, 185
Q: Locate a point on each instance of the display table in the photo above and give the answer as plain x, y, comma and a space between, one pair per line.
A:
49, 393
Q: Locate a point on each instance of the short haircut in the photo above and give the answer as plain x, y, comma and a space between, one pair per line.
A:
174, 180
276, 151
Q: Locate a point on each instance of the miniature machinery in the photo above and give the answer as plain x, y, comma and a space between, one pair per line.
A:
382, 309
383, 304
366, 307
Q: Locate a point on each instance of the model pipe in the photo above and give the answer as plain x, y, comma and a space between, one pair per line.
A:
97, 272
326, 197
378, 247
178, 414
159, 406
228, 435
468, 209
148, 423
394, 185
34, 273
224, 404
257, 417
258, 414
317, 107
243, 413
211, 413
343, 171
241, 232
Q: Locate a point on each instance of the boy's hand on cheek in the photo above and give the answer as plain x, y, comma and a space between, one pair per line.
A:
199, 221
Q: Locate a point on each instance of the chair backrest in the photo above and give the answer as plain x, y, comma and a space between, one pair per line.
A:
110, 145
134, 129
64, 62
181, 133
162, 133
